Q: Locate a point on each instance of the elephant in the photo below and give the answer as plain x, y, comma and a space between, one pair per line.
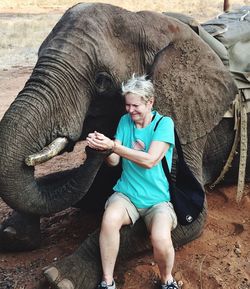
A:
74, 89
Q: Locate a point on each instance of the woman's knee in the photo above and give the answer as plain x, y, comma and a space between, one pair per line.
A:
113, 219
161, 241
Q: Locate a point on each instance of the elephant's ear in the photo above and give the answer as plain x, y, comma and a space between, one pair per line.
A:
192, 86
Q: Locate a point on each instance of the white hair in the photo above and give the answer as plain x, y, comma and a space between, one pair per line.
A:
139, 85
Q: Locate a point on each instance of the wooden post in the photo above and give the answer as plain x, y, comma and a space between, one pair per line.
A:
226, 5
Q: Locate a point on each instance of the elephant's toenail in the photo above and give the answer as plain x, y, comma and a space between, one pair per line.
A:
10, 231
65, 284
51, 274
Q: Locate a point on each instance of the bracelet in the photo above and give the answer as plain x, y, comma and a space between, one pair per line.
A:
114, 146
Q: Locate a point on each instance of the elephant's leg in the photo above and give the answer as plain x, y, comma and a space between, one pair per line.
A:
82, 270
20, 232
182, 235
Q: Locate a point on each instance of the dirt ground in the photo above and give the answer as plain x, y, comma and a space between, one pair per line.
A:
220, 258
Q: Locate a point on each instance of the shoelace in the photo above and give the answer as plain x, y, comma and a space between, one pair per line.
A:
170, 285
104, 285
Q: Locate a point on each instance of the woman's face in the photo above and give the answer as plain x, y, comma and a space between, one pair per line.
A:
137, 107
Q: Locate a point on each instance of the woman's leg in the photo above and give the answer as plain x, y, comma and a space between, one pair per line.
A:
163, 249
115, 216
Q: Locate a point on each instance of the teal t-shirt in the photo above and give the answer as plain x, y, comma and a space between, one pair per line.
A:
144, 187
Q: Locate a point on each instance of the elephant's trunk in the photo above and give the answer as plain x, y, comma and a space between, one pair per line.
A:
23, 132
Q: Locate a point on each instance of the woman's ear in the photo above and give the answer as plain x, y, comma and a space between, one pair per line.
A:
152, 100
192, 86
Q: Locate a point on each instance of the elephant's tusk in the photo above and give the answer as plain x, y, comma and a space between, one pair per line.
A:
48, 152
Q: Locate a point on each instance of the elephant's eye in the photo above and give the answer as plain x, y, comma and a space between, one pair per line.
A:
103, 82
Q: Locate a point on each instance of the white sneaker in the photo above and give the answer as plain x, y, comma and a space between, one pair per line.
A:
104, 285
170, 285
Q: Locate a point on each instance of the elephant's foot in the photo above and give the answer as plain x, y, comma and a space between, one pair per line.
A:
81, 270
73, 272
55, 278
20, 232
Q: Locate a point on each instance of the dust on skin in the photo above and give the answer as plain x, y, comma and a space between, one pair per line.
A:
176, 82
189, 80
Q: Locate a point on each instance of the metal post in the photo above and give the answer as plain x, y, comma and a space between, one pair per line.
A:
226, 6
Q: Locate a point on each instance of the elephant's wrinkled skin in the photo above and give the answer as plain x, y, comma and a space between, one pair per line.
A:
75, 89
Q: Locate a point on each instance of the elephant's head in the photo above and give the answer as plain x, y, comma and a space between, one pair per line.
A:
75, 89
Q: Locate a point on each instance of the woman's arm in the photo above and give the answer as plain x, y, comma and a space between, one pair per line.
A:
156, 152
113, 159
148, 159
99, 141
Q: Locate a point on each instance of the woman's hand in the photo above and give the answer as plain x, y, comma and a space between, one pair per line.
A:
99, 141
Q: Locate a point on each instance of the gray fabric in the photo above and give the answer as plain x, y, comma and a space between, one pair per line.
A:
233, 31
237, 24
236, 38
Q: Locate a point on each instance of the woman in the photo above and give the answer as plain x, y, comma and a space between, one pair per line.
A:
142, 190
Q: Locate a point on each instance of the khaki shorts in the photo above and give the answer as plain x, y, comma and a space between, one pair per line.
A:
148, 213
